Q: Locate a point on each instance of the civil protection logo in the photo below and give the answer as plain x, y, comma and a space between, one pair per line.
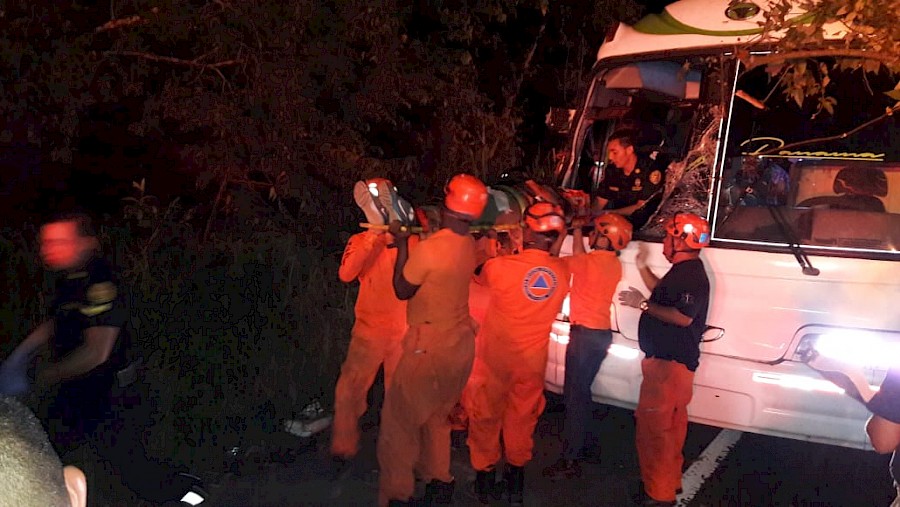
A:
539, 284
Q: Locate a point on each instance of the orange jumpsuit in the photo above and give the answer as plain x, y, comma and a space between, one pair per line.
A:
436, 361
376, 335
506, 391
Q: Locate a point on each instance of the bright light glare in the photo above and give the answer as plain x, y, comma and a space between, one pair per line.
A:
192, 498
797, 382
562, 339
373, 189
623, 352
862, 349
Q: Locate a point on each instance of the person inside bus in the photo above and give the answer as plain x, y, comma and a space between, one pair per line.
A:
857, 188
759, 182
631, 181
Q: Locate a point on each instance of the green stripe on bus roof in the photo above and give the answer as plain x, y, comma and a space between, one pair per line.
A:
666, 24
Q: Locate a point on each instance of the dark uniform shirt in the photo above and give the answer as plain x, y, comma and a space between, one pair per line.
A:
84, 299
621, 190
686, 287
886, 404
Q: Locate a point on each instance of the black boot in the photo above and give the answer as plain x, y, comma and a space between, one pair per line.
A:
486, 486
515, 484
438, 493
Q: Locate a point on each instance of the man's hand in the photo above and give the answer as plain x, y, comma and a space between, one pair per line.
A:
631, 297
579, 222
399, 231
640, 259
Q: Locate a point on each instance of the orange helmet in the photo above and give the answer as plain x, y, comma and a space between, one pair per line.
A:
690, 227
614, 227
466, 195
545, 217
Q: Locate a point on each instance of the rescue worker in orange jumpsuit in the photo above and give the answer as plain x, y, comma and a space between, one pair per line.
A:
379, 327
669, 332
438, 349
506, 392
595, 276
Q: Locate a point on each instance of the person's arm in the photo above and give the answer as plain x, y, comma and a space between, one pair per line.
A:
96, 349
884, 434
599, 204
647, 276
578, 237
358, 255
628, 210
402, 287
557, 244
883, 427
38, 338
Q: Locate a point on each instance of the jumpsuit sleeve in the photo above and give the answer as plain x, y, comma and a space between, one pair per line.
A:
358, 255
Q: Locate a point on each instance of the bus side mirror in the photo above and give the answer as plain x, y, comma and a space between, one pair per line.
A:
711, 334
559, 120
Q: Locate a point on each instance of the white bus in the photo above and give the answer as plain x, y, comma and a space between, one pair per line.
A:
805, 221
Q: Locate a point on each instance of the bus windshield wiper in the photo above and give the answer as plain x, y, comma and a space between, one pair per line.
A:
793, 242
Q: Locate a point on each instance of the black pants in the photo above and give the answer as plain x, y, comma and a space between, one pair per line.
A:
92, 411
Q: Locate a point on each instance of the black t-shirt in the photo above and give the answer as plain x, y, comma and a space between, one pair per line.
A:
621, 190
89, 298
886, 404
686, 287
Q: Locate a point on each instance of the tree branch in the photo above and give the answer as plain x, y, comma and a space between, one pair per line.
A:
753, 61
174, 61
890, 112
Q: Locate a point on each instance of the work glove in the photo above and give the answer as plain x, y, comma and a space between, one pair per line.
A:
14, 375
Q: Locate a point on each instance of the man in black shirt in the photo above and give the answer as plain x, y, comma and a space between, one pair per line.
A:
669, 332
89, 379
630, 181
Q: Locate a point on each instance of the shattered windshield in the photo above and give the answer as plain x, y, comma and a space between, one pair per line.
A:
672, 109
826, 177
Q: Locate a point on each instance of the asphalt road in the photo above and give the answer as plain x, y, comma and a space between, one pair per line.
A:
757, 471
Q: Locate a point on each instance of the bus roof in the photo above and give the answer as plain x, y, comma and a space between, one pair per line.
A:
699, 24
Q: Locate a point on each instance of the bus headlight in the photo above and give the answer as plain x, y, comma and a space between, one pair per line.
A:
862, 348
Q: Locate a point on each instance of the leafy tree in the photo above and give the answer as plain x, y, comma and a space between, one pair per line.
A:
855, 34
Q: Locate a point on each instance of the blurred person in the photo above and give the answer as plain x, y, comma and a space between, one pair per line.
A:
630, 181
759, 182
883, 427
89, 382
380, 324
438, 349
595, 275
505, 394
31, 474
672, 323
